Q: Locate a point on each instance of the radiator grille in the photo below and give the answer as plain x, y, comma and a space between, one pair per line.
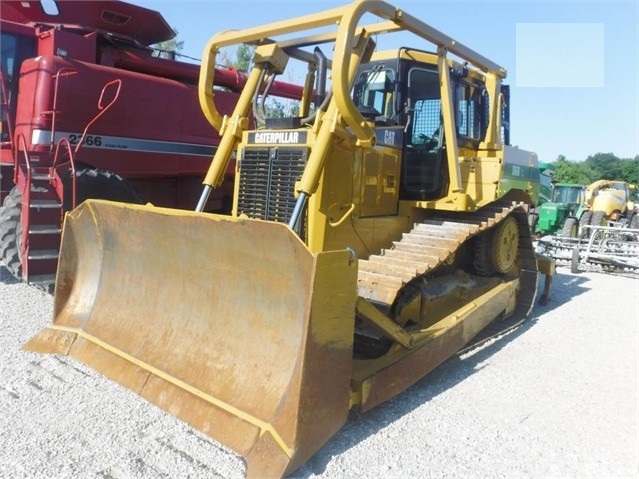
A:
267, 182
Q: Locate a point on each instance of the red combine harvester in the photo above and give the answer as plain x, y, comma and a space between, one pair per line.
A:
88, 112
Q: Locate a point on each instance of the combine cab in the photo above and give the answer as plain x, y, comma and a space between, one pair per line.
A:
373, 235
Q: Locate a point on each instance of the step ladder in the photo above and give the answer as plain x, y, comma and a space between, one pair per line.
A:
44, 213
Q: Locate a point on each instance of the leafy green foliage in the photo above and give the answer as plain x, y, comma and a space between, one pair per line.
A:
168, 47
243, 57
600, 166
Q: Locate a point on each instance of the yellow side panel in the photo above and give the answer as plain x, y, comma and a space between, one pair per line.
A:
380, 188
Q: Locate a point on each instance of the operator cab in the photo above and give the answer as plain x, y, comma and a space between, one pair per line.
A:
15, 48
404, 94
568, 194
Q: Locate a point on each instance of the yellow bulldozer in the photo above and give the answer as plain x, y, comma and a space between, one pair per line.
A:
374, 234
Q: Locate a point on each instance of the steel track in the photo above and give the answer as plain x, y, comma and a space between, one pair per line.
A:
431, 242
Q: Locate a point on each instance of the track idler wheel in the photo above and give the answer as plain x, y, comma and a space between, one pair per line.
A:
496, 250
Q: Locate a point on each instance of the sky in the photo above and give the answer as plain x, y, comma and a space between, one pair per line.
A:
572, 65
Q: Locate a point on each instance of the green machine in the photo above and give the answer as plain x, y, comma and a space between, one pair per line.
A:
546, 172
562, 213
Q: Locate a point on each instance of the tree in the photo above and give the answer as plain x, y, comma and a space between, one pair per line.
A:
243, 56
168, 48
600, 166
604, 166
570, 172
630, 170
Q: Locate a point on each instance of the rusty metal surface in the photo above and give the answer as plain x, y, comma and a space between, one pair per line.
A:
224, 323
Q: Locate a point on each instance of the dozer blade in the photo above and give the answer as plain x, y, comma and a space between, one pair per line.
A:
232, 325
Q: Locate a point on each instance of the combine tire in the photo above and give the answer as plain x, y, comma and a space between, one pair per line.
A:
99, 184
10, 233
634, 221
570, 228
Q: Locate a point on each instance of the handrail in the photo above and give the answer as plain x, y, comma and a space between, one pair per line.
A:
72, 166
250, 36
60, 73
344, 44
20, 140
349, 212
24, 245
102, 108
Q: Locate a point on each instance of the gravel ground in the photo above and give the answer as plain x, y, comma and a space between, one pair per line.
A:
557, 397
